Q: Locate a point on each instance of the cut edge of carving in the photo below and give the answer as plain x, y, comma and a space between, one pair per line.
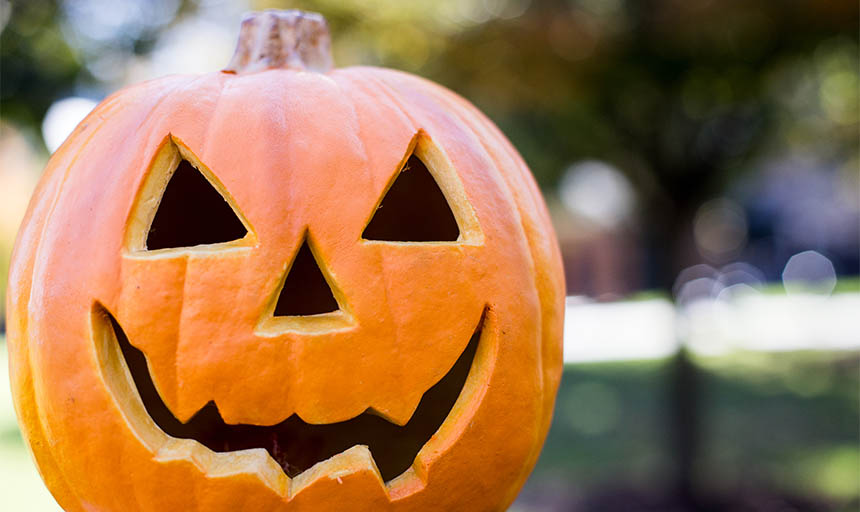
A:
170, 153
441, 169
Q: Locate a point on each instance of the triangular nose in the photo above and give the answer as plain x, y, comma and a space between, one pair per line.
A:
305, 291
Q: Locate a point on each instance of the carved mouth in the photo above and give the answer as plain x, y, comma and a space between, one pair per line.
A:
296, 445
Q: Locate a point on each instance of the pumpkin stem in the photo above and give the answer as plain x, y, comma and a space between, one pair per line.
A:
274, 39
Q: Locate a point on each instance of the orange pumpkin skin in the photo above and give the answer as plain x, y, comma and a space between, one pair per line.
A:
300, 153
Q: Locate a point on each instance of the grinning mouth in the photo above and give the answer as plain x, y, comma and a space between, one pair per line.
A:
296, 445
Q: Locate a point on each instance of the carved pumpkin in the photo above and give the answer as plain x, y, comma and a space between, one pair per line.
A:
285, 287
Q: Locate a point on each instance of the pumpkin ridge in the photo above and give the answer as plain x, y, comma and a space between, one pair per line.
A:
354, 118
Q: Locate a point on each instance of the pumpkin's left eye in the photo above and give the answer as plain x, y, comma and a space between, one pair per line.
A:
424, 201
414, 209
183, 204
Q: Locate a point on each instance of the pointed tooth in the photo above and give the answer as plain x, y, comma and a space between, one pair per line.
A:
221, 465
398, 414
256, 461
353, 461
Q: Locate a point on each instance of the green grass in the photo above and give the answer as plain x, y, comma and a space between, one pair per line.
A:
847, 285
786, 421
843, 285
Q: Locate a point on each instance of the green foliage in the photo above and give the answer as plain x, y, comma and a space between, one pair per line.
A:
38, 64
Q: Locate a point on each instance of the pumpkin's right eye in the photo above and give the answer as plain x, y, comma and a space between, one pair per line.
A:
182, 204
192, 212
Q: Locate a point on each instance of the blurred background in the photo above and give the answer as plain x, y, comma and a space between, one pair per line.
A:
700, 161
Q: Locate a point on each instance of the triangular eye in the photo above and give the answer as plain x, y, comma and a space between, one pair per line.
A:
192, 212
414, 209
305, 291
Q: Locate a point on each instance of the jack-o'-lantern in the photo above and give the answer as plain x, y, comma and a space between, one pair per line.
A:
283, 286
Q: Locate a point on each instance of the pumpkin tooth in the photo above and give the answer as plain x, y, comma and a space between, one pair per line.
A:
341, 467
255, 461
224, 465
399, 415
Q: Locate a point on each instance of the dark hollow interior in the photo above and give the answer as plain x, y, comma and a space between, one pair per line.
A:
297, 445
305, 291
413, 210
191, 213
